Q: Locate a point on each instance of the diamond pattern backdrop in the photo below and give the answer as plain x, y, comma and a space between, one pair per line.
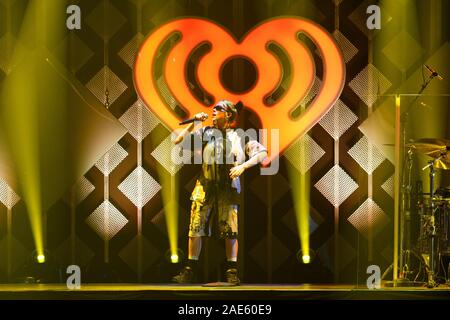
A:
101, 57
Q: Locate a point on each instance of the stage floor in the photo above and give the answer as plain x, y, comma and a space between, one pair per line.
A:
211, 292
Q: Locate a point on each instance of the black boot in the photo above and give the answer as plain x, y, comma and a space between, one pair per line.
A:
186, 275
232, 277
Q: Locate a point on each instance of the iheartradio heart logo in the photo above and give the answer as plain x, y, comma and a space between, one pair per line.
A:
254, 47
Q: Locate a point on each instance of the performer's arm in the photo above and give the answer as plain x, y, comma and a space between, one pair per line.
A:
200, 117
259, 153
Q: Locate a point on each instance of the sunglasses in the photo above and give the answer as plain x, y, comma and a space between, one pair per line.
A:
220, 108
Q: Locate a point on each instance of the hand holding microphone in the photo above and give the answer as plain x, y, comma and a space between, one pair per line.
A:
201, 116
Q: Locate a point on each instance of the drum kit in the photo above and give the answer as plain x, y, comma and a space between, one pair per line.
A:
432, 245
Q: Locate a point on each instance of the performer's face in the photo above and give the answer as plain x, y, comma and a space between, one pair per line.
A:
220, 117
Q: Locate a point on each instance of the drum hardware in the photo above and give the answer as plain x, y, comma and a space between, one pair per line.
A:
405, 212
434, 221
405, 240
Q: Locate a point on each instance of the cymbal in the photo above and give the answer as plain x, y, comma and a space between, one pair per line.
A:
442, 165
434, 148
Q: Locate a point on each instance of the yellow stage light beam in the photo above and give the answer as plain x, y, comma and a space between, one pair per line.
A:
167, 178
172, 214
21, 111
169, 186
302, 214
19, 123
300, 183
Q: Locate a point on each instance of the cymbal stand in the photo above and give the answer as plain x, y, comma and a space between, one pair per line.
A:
405, 240
433, 234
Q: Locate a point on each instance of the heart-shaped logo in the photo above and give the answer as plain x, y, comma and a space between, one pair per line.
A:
284, 32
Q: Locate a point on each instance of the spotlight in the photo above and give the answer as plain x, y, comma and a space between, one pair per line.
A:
40, 258
306, 257
40, 268
174, 257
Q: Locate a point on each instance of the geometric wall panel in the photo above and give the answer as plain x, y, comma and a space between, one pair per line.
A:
368, 215
304, 153
328, 255
360, 153
128, 52
139, 187
163, 154
338, 120
104, 80
106, 220
77, 58
129, 254
314, 220
105, 19
111, 159
83, 188
139, 120
279, 253
395, 52
336, 185
347, 48
259, 188
369, 83
82, 253
7, 196
388, 186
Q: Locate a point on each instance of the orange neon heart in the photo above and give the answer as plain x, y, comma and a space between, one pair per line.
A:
282, 31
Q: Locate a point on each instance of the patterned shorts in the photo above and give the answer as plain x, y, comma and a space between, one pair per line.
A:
201, 216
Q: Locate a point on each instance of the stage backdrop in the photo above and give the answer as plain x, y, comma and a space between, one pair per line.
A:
351, 216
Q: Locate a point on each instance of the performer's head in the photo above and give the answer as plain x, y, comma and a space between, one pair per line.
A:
224, 113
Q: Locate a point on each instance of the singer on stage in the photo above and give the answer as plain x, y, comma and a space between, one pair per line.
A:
217, 188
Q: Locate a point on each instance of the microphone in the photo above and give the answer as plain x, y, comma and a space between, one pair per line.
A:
192, 120
434, 73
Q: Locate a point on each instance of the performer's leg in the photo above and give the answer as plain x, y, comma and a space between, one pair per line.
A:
188, 273
231, 249
198, 228
194, 247
194, 250
228, 222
